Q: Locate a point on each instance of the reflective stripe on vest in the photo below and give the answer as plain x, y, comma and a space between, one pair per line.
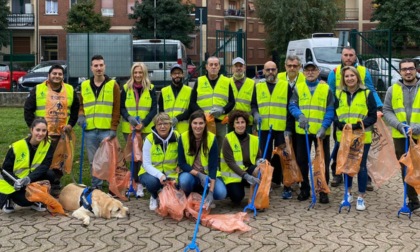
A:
144, 105
360, 69
243, 97
272, 107
65, 98
399, 109
176, 106
165, 161
313, 106
207, 98
22, 167
98, 111
204, 158
357, 111
228, 175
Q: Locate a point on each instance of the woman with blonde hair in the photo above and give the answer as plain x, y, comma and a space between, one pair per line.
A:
138, 106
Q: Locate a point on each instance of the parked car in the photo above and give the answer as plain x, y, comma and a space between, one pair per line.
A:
379, 68
39, 74
8, 83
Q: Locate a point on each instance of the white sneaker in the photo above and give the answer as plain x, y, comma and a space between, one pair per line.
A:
349, 198
140, 192
153, 204
9, 206
37, 206
360, 205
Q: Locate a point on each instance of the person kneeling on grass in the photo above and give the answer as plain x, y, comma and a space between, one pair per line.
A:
160, 156
197, 158
27, 160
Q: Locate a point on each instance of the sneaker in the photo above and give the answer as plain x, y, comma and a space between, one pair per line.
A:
360, 205
369, 186
287, 193
323, 198
303, 195
9, 206
37, 206
412, 205
336, 181
140, 192
349, 198
153, 204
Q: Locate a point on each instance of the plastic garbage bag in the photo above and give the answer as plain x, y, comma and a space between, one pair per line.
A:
350, 152
172, 202
38, 192
290, 169
318, 164
64, 153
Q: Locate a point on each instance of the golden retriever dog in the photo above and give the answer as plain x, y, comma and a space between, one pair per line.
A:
99, 204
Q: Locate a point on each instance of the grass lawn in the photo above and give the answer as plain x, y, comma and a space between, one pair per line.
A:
13, 128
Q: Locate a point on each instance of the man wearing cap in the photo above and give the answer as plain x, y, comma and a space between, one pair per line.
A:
213, 94
243, 88
269, 106
175, 100
312, 104
349, 58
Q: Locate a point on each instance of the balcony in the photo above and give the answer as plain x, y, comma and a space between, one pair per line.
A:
21, 20
235, 14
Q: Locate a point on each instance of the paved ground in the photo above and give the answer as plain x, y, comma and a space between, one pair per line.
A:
286, 226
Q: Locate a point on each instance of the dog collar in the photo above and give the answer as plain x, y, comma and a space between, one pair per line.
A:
86, 198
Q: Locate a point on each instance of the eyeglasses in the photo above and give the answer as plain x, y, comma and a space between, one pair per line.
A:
163, 124
270, 69
292, 66
405, 69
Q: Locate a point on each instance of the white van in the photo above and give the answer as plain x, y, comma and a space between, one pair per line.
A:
159, 55
322, 49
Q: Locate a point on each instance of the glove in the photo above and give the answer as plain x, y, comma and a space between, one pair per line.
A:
257, 118
321, 133
174, 121
81, 120
288, 133
20, 183
208, 200
112, 134
415, 128
216, 112
67, 129
303, 121
251, 179
260, 161
340, 125
202, 178
403, 129
133, 121
356, 126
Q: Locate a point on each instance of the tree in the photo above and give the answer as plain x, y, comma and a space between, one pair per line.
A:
401, 17
83, 18
172, 20
286, 20
4, 23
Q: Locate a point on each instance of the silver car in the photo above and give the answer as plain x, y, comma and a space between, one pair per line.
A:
379, 69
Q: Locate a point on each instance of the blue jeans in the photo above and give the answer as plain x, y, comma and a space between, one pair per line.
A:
362, 176
93, 139
190, 183
151, 183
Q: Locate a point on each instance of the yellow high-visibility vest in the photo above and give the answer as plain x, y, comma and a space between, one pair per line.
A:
176, 106
243, 97
207, 98
399, 109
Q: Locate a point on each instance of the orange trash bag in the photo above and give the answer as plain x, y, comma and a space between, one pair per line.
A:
350, 153
64, 153
411, 160
224, 222
262, 199
211, 124
172, 202
318, 165
38, 192
109, 164
382, 164
138, 147
290, 169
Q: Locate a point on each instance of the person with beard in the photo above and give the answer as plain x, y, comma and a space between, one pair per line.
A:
401, 112
269, 105
138, 107
243, 88
175, 100
312, 104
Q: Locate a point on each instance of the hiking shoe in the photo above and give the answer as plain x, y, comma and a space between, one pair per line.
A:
153, 204
303, 195
9, 206
37, 206
337, 180
349, 198
369, 186
140, 192
360, 205
323, 198
412, 205
287, 193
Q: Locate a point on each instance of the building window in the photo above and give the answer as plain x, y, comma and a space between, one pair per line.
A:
251, 27
218, 5
107, 8
51, 6
261, 53
218, 25
250, 53
260, 28
49, 48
